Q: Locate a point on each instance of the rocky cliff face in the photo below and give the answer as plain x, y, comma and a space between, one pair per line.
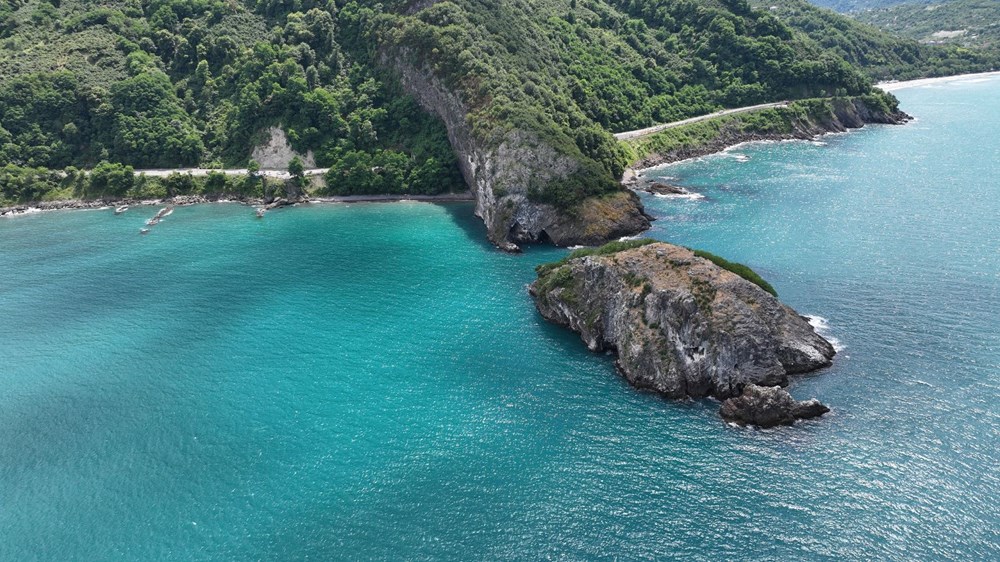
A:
680, 325
500, 172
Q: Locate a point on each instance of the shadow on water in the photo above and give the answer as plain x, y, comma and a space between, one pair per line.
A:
464, 217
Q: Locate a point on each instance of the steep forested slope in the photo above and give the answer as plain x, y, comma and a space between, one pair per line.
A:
164, 83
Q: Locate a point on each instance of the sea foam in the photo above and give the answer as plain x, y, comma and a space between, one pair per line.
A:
822, 327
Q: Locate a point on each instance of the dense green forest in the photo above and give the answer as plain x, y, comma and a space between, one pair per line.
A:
845, 6
164, 83
883, 55
970, 23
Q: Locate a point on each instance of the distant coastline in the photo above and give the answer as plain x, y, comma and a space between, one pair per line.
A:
831, 117
893, 86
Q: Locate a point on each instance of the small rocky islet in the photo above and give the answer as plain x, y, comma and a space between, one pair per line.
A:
687, 324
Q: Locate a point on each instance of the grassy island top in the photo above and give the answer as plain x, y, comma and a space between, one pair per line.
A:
544, 270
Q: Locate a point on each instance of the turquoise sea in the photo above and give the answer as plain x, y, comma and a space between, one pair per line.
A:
372, 381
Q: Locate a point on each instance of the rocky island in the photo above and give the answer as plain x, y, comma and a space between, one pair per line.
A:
684, 324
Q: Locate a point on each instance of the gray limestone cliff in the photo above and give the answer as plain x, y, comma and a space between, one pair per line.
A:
680, 325
501, 171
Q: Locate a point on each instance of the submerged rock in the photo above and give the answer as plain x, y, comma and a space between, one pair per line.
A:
680, 324
768, 406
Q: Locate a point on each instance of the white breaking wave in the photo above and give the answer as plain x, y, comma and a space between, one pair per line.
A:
822, 327
690, 195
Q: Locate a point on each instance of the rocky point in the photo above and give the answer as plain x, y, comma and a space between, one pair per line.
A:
680, 324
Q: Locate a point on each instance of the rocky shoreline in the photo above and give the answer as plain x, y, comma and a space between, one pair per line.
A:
854, 115
185, 200
71, 204
680, 325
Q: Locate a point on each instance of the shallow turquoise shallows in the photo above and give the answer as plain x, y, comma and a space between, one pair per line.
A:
372, 380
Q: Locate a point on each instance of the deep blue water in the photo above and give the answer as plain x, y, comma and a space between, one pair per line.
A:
372, 381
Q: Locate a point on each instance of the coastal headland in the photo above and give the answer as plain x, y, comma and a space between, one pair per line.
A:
801, 119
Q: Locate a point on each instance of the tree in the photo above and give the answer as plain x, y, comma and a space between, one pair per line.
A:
296, 168
111, 179
298, 171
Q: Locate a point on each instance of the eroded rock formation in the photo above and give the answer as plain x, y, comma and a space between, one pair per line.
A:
501, 172
680, 325
768, 406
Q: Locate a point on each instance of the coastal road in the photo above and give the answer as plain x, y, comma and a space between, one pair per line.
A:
277, 174
629, 135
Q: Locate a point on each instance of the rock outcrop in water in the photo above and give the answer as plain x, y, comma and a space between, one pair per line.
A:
681, 325
768, 406
501, 171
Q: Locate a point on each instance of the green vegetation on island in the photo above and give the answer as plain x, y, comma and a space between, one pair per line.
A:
737, 268
603, 250
552, 275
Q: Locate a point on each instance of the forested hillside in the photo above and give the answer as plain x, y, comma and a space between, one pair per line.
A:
845, 6
883, 55
164, 83
971, 23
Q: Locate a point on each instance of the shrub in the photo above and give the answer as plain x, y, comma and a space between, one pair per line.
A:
737, 268
606, 249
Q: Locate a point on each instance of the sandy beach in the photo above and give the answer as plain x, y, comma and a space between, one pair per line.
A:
893, 86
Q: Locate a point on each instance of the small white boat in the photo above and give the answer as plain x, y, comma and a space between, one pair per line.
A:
121, 209
144, 231
260, 213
